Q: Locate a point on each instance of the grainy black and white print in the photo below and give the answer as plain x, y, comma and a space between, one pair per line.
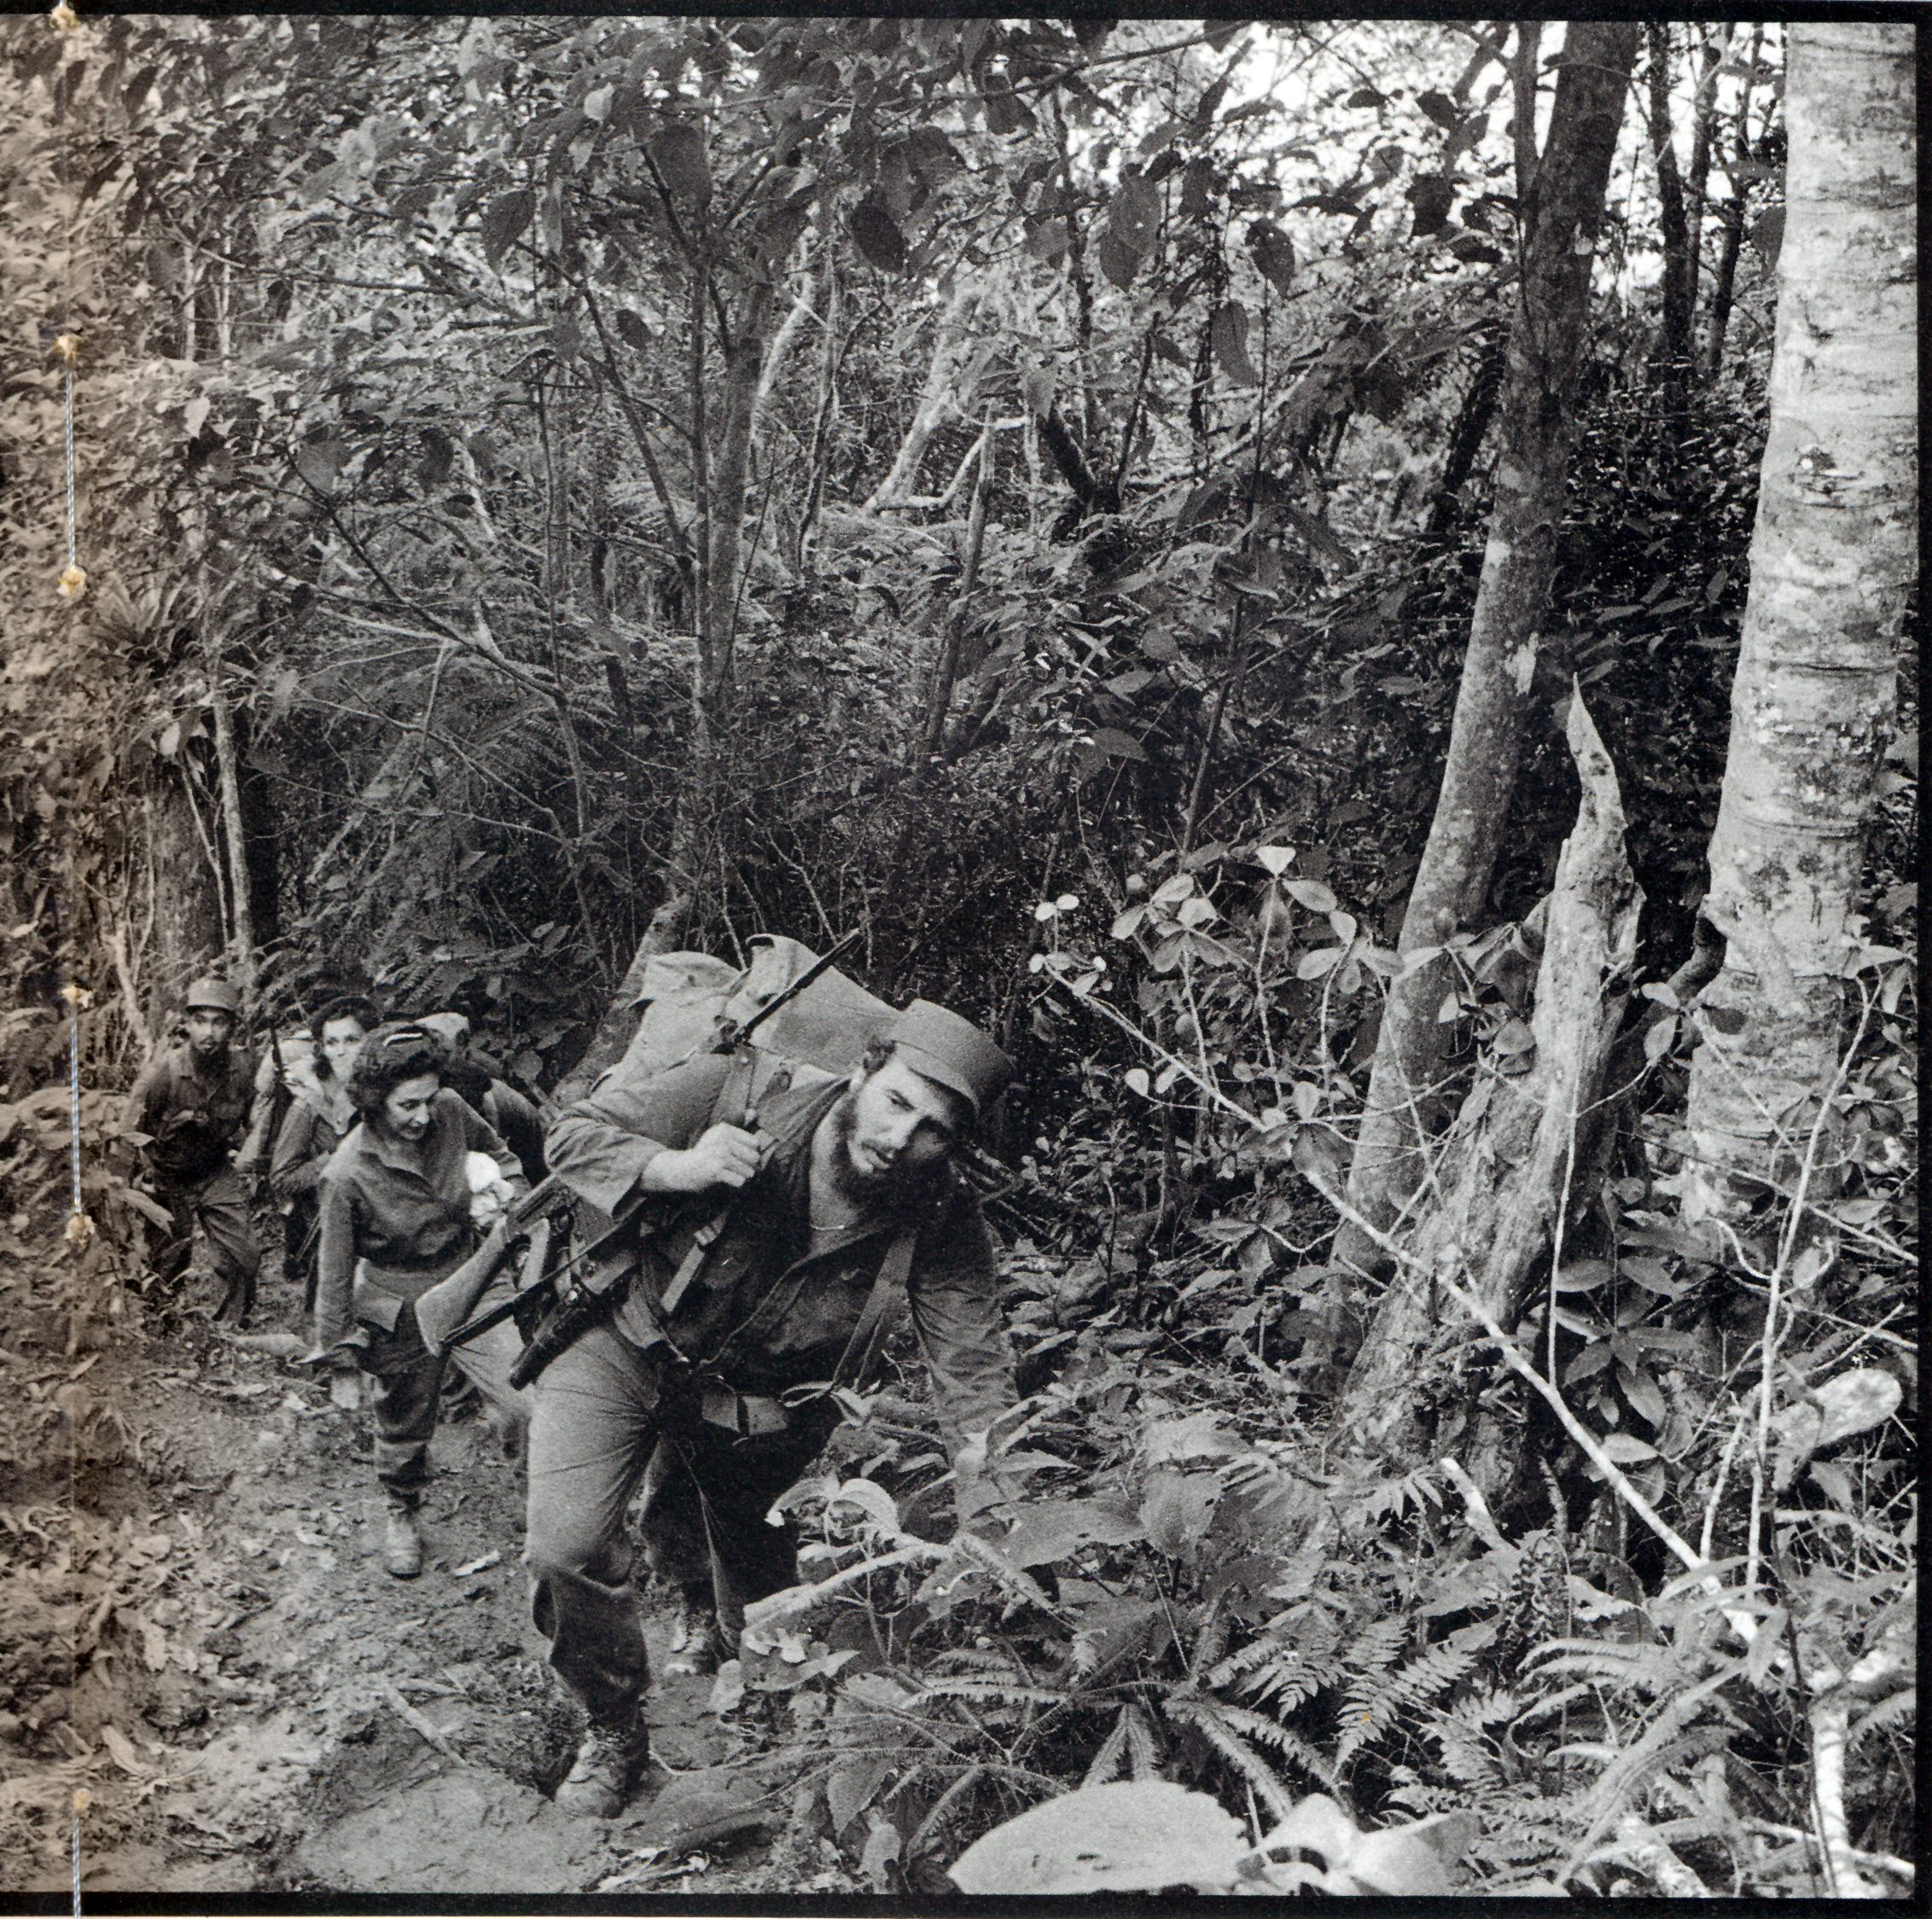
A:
955, 958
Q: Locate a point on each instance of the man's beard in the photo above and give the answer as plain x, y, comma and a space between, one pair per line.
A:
897, 1189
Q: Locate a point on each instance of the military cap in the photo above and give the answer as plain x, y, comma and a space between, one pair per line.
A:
213, 994
941, 1046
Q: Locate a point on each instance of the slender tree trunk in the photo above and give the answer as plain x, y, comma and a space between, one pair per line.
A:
1674, 338
1833, 558
722, 486
828, 411
1726, 278
188, 929
1512, 1169
235, 839
1711, 47
1466, 437
945, 391
1566, 203
945, 667
744, 360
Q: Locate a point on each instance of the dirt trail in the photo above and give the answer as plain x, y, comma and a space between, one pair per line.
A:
215, 1657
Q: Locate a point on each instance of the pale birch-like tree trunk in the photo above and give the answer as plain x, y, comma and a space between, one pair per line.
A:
1834, 554
1566, 203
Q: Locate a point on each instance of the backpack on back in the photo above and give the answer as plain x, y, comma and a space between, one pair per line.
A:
688, 998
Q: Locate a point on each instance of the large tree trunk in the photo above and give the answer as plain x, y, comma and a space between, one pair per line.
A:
1833, 556
1546, 345
188, 935
1514, 1167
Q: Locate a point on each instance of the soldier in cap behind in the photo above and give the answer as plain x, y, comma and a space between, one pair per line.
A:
193, 1101
832, 1207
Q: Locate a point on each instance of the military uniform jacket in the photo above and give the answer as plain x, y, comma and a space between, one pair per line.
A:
395, 1219
194, 1121
765, 1312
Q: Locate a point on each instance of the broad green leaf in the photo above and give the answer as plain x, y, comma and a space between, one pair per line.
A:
1198, 185
678, 153
1645, 1395
878, 235
1581, 1274
1133, 215
1626, 1449
1274, 859
1227, 333
1311, 893
1274, 254
1117, 744
1117, 262
1048, 240
503, 220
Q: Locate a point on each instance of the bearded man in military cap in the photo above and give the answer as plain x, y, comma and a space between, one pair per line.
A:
822, 1217
192, 1102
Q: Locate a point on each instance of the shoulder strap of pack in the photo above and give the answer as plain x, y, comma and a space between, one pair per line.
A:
895, 1269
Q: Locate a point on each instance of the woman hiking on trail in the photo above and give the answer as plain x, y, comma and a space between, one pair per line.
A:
317, 1121
399, 1212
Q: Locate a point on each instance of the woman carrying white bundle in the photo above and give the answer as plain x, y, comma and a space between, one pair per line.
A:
404, 1201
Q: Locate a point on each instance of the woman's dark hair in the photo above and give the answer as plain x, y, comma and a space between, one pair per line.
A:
345, 1006
391, 1054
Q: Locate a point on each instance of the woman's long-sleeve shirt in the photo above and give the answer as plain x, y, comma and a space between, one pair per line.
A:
309, 1135
395, 1218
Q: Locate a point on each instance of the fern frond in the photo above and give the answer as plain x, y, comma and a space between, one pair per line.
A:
1140, 1744
1375, 1699
1284, 1677
1244, 1659
995, 1692
1258, 1727
1601, 1804
1650, 1669
1467, 1754
1377, 1647
970, 1659
1106, 1763
1207, 1720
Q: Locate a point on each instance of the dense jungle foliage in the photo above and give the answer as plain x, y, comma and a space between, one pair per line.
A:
1016, 490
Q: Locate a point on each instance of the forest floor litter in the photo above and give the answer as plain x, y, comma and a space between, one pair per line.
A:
211, 1661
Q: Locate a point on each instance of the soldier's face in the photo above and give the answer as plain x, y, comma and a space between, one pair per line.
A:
209, 1029
896, 1126
406, 1113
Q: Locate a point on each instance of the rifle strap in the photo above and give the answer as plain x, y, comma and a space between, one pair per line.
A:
701, 1241
733, 1106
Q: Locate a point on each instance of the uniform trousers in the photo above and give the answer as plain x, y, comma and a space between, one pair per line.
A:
606, 1410
218, 1205
408, 1380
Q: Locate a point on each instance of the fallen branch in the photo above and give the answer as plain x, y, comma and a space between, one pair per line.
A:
415, 1720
